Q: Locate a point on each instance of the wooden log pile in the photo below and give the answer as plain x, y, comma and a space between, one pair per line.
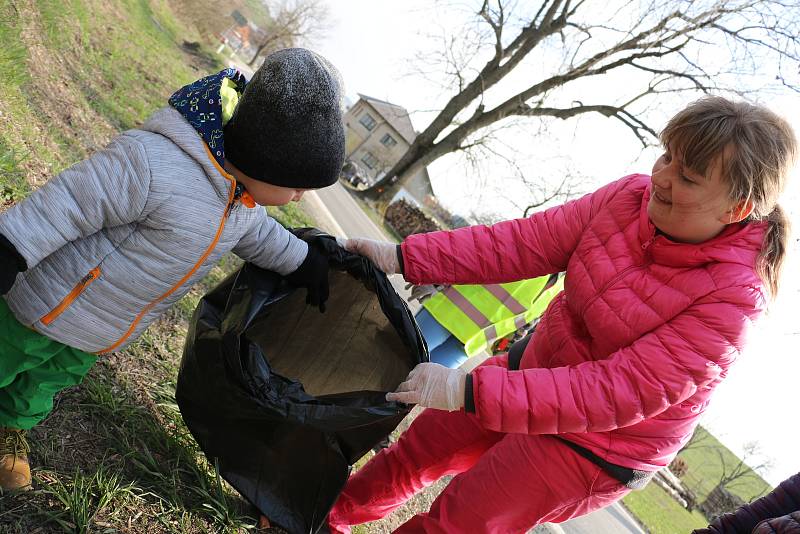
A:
406, 219
718, 502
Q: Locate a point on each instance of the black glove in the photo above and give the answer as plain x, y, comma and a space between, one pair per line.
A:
11, 264
312, 275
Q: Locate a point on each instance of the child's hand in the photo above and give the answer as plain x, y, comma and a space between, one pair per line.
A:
433, 386
313, 275
11, 264
382, 253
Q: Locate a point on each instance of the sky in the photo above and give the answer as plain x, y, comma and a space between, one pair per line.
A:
374, 44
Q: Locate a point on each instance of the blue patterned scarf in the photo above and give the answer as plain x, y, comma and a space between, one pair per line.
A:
200, 103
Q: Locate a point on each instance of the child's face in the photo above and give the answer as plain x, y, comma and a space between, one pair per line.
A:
687, 206
272, 195
263, 193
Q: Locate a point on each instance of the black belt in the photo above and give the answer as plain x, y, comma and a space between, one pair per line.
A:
632, 478
515, 352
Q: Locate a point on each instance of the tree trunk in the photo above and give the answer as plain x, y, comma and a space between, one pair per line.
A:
257, 54
412, 162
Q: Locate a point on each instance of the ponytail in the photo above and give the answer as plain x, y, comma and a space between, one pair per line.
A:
773, 253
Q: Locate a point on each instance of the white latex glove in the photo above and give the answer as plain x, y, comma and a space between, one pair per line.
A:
424, 292
433, 386
382, 253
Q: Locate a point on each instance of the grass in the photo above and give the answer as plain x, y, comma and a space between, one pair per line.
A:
86, 496
14, 111
705, 470
12, 53
660, 513
159, 453
75, 72
130, 56
291, 215
13, 186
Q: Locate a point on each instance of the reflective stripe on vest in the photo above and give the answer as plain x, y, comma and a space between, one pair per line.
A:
479, 314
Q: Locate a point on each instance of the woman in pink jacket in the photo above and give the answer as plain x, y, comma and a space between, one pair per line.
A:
665, 274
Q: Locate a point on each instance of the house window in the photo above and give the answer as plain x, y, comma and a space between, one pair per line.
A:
367, 121
369, 160
388, 141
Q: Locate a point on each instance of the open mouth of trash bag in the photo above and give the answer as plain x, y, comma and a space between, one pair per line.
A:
283, 398
315, 348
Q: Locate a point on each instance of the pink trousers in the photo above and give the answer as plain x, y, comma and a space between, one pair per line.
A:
505, 482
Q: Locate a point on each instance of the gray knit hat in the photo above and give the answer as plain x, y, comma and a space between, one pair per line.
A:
287, 129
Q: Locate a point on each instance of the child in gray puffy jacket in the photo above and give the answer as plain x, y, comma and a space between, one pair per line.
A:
89, 260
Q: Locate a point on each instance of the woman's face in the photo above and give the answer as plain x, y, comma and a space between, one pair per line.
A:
687, 206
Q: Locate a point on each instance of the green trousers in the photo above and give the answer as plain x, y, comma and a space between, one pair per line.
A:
33, 369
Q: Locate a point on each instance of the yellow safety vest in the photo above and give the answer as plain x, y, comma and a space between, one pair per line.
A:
480, 314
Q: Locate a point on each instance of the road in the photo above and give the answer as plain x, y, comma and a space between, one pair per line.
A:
349, 220
612, 520
340, 215
349, 216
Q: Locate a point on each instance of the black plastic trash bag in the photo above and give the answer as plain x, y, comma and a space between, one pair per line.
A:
285, 398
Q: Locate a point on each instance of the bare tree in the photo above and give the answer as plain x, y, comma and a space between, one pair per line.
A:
538, 191
502, 170
751, 463
293, 22
484, 217
644, 50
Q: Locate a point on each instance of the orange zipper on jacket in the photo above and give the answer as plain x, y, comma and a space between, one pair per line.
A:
196, 266
79, 288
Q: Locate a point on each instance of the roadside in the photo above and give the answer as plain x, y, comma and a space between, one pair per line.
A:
317, 211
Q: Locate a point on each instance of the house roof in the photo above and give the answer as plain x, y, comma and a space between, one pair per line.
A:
244, 33
395, 115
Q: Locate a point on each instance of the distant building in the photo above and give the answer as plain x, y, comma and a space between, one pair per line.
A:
240, 19
244, 39
378, 133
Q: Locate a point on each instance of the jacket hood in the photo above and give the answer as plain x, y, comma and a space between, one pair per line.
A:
193, 122
200, 103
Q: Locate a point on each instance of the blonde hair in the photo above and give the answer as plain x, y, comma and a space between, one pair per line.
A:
756, 148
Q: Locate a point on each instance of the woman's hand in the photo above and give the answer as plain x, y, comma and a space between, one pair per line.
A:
433, 386
382, 253
423, 292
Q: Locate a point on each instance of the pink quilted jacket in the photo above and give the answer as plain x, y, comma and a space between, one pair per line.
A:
625, 359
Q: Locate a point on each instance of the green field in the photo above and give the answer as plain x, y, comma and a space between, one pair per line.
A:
706, 470
661, 514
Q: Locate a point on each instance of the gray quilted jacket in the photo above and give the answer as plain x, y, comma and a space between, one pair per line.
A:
115, 240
